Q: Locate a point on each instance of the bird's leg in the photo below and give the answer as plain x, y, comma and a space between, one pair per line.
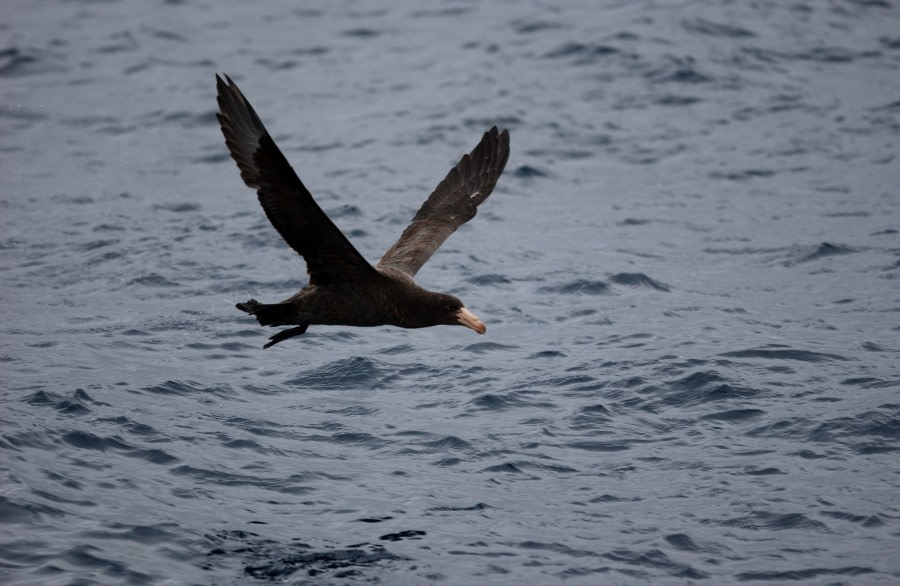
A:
285, 334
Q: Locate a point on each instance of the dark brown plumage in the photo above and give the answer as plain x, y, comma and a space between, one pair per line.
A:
344, 289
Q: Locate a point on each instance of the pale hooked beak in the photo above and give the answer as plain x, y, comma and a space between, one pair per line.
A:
466, 318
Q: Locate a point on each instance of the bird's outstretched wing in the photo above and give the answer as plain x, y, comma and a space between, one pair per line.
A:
288, 204
452, 204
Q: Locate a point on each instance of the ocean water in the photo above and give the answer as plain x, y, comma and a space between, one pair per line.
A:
689, 273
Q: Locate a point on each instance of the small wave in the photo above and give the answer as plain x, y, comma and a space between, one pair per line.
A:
530, 172
716, 29
633, 222
832, 55
171, 387
399, 349
315, 50
577, 383
153, 456
744, 175
578, 287
489, 279
734, 415
591, 418
344, 211
673, 100
261, 427
581, 53
638, 280
293, 484
765, 520
611, 498
375, 519
184, 119
557, 548
362, 33
321, 563
475, 507
750, 250
363, 440
403, 535
756, 471
783, 353
479, 124
548, 354
506, 468
348, 373
88, 441
600, 446
76, 199
451, 12
704, 387
655, 558
870, 382
678, 70
148, 534
178, 207
95, 244
523, 27
487, 347
74, 405
17, 62
505, 401
13, 510
825, 250
861, 520
782, 576
273, 561
445, 443
122, 42
682, 542
85, 556
153, 280
817, 54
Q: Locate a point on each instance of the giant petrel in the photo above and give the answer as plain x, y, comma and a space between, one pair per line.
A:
344, 289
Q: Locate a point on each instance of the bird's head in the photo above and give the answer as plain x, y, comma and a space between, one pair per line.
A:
451, 311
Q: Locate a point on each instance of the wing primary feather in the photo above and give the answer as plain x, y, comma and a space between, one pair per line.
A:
453, 202
291, 209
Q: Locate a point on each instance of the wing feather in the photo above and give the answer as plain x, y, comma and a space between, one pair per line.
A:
291, 209
453, 203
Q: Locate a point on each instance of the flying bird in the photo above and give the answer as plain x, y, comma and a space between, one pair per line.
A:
344, 288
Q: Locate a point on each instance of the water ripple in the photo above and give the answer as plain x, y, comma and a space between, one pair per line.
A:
690, 261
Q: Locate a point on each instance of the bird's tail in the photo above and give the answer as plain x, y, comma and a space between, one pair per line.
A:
270, 314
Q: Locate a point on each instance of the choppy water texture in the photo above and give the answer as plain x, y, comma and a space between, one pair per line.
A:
689, 274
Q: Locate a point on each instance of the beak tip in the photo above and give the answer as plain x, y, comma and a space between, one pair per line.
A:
470, 320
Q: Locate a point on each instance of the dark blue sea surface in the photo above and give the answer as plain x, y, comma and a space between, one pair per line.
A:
690, 274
